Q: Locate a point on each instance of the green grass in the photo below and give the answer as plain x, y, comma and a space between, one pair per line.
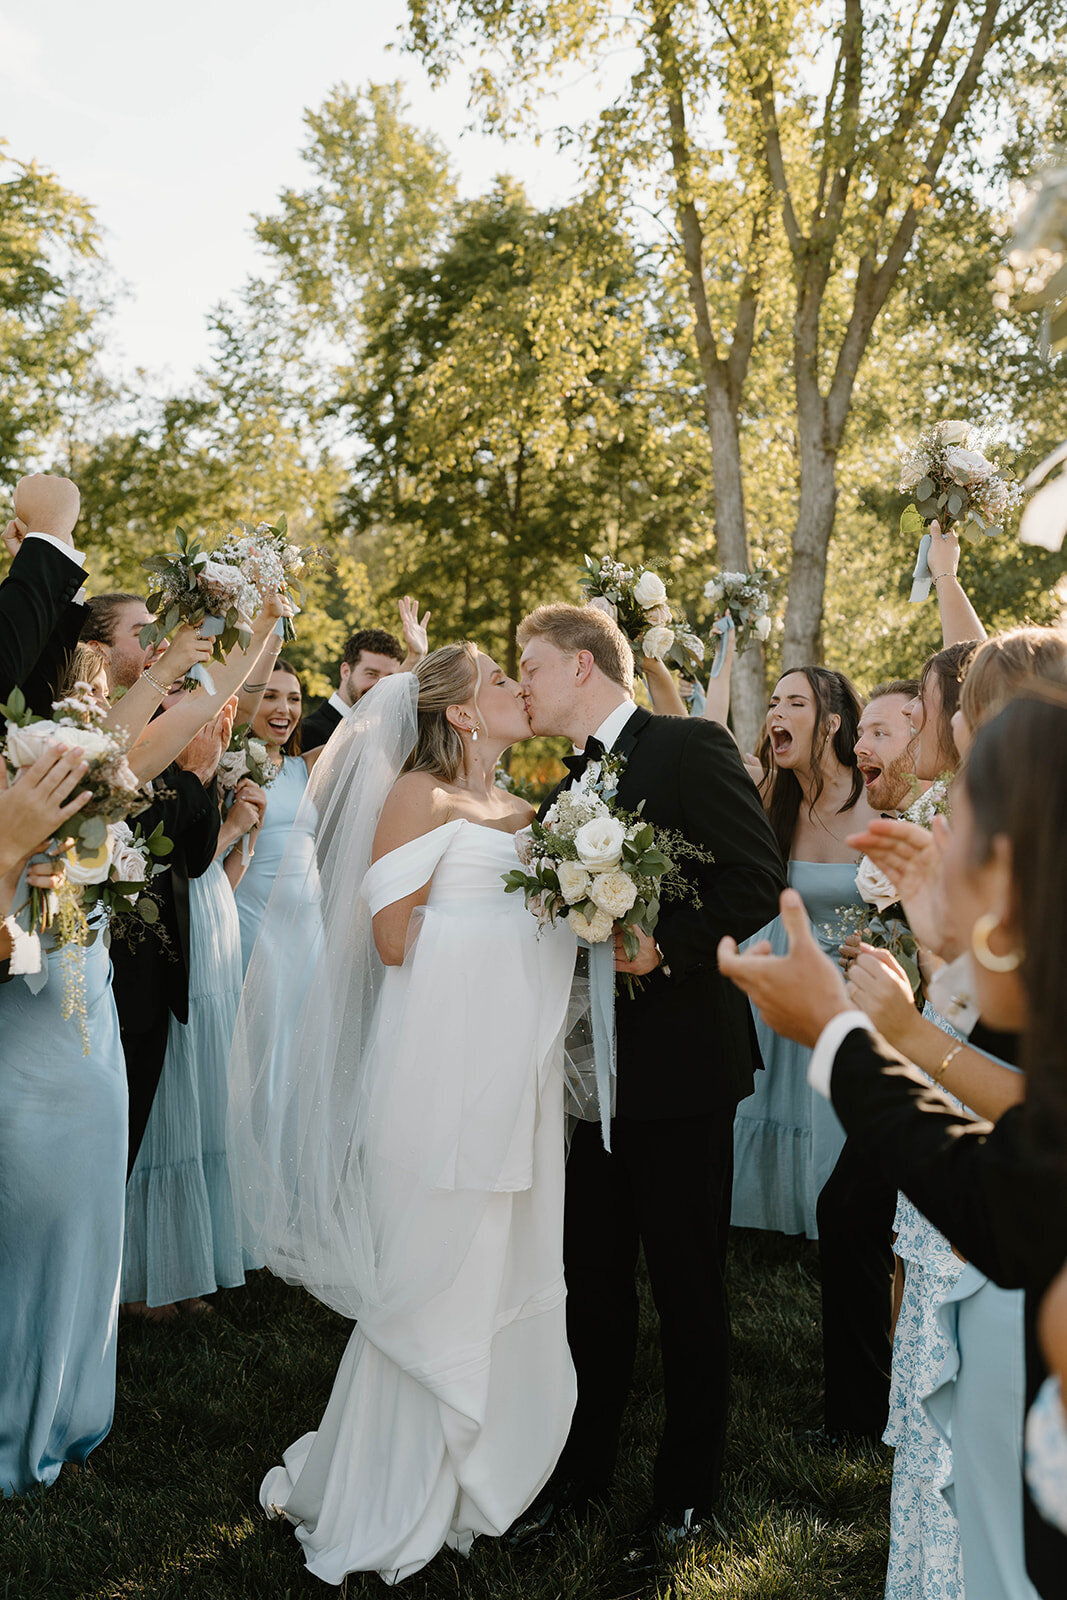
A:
169, 1509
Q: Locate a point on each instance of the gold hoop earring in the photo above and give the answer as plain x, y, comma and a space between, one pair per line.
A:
980, 945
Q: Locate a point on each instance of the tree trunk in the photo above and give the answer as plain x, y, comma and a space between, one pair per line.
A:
815, 521
747, 687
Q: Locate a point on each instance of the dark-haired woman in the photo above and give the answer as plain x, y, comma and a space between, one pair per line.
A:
787, 1139
253, 871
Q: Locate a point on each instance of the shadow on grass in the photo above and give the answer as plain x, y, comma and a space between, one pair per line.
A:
169, 1511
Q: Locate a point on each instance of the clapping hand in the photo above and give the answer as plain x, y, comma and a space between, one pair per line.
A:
203, 753
911, 859
796, 994
414, 631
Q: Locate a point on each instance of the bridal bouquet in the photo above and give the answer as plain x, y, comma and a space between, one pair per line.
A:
245, 757
955, 483
599, 868
636, 598
136, 858
744, 599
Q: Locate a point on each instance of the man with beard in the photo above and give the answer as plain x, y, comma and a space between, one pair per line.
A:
856, 1208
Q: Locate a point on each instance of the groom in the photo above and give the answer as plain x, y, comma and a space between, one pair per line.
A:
685, 1055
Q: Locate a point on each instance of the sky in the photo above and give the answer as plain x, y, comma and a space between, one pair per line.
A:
176, 123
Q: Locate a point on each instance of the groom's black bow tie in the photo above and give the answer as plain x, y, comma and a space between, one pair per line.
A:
577, 764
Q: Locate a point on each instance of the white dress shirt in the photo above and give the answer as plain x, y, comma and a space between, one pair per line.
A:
339, 705
607, 733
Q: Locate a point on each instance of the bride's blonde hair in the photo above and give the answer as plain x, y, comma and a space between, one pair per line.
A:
447, 677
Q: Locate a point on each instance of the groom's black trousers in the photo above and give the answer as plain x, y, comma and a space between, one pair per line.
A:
664, 1187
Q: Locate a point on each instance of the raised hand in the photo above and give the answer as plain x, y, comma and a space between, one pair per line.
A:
943, 557
414, 631
46, 504
42, 797
184, 651
203, 753
911, 859
796, 994
13, 536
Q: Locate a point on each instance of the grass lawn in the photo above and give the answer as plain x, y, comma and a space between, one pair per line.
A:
169, 1510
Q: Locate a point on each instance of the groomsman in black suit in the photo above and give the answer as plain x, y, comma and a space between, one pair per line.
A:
40, 617
686, 1051
369, 655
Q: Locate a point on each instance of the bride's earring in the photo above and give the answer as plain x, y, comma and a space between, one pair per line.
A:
474, 736
980, 945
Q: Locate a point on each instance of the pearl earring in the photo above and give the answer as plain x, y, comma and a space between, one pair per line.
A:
474, 736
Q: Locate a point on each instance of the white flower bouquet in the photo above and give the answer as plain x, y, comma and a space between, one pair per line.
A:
136, 858
636, 598
600, 868
267, 562
956, 485
195, 589
245, 757
745, 599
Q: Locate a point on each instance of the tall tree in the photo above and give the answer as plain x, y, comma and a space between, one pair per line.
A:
799, 146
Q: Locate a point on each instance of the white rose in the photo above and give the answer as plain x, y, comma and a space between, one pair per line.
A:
221, 576
595, 929
967, 466
650, 590
524, 845
952, 432
128, 865
657, 641
614, 893
93, 866
25, 745
599, 843
600, 602
874, 886
659, 615
762, 627
573, 881
93, 744
714, 589
912, 474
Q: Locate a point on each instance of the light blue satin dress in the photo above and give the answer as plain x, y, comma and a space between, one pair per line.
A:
787, 1138
182, 1238
63, 1135
254, 890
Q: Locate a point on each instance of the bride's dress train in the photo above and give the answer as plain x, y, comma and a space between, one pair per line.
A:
454, 1396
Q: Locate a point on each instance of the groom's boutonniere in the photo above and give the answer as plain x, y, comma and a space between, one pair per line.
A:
600, 868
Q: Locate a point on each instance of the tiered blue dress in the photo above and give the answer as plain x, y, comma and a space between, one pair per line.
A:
182, 1238
63, 1136
254, 890
787, 1138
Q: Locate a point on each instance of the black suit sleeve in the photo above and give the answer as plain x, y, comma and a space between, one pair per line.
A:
190, 812
722, 811
1002, 1203
34, 600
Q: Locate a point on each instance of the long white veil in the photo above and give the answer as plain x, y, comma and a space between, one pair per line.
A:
298, 1089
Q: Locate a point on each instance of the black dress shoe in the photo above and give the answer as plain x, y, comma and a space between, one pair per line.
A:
542, 1517
670, 1533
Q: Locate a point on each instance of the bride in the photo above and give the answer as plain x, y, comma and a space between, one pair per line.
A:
400, 1151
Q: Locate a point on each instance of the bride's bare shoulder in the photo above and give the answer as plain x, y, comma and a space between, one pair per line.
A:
416, 803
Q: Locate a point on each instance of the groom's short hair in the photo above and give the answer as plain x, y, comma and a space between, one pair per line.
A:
574, 628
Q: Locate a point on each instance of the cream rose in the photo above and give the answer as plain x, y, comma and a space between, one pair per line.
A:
524, 845
912, 474
573, 881
220, 575
762, 627
874, 886
26, 745
600, 602
93, 866
128, 864
599, 843
93, 744
650, 590
595, 929
714, 589
954, 432
657, 641
614, 893
967, 466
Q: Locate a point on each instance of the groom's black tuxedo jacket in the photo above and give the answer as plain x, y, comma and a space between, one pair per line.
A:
685, 1042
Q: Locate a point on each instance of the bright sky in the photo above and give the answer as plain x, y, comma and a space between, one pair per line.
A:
177, 122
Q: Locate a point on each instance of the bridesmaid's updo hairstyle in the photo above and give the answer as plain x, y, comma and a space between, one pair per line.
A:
834, 695
447, 677
1004, 664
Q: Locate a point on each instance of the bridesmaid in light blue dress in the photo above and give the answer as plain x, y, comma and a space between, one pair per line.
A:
63, 1133
182, 1238
787, 1138
277, 723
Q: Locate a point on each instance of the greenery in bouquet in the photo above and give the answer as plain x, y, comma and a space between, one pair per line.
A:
268, 562
246, 756
746, 598
511, 783
955, 482
636, 598
599, 868
126, 894
194, 588
885, 930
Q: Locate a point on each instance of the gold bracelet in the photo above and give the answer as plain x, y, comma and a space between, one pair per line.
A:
938, 1073
160, 688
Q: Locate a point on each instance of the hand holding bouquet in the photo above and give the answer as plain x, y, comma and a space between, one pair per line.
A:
636, 598
955, 483
268, 562
742, 601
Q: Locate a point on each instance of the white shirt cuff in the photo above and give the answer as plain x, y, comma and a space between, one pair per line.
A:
821, 1065
60, 544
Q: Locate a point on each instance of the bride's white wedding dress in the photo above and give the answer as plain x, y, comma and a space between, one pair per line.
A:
454, 1396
